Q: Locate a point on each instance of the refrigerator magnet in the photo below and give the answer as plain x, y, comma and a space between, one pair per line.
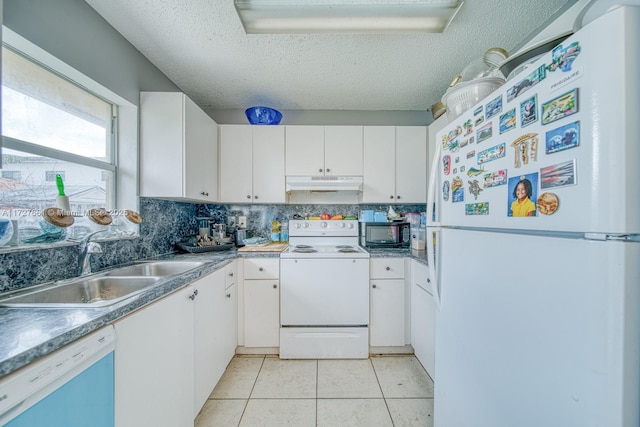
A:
475, 172
455, 170
468, 126
548, 203
493, 153
445, 191
457, 160
522, 193
471, 154
535, 77
563, 57
508, 121
559, 175
457, 190
560, 107
529, 111
479, 120
464, 143
525, 149
485, 132
474, 188
494, 179
563, 138
463, 168
477, 110
481, 208
446, 164
494, 107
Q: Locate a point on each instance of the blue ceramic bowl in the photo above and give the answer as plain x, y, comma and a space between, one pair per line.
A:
263, 116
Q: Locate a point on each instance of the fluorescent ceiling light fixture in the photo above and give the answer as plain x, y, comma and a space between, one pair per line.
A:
346, 16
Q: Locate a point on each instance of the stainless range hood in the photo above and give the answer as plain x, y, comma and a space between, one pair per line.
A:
323, 183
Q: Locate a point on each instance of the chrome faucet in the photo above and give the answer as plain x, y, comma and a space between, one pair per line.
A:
87, 247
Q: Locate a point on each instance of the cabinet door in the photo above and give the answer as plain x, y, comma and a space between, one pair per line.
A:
411, 164
161, 144
379, 164
304, 150
386, 268
236, 147
423, 317
210, 327
230, 315
261, 268
154, 364
261, 313
343, 150
386, 325
200, 154
268, 164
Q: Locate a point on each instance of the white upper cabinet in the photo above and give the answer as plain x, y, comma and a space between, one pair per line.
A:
324, 150
178, 149
395, 164
252, 164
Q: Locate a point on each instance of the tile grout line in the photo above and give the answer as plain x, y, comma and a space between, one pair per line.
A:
373, 366
317, 380
251, 392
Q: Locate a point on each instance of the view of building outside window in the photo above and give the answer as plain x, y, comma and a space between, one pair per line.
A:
51, 126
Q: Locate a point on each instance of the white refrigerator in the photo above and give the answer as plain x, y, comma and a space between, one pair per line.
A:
536, 207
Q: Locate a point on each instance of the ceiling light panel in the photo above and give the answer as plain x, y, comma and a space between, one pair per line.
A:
346, 16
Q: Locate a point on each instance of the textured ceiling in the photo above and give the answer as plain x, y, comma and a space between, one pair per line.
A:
201, 46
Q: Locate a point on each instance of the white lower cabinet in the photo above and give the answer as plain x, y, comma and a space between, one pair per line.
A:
170, 355
423, 317
387, 302
261, 302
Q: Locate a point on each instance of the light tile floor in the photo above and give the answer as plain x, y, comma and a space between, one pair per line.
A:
266, 391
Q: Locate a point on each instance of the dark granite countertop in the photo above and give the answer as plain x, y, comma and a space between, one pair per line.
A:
30, 333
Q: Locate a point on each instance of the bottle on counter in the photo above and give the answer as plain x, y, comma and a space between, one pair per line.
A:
275, 230
284, 230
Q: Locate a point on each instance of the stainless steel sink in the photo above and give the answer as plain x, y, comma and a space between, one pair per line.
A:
155, 268
84, 292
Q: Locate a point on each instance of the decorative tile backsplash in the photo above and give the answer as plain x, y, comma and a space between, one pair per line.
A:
163, 224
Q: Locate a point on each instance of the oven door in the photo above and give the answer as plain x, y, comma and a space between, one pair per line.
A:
324, 292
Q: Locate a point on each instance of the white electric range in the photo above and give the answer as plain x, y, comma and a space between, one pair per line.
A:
324, 292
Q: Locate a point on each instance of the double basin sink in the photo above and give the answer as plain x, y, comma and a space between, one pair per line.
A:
102, 289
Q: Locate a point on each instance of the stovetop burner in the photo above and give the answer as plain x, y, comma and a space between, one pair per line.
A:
344, 247
304, 249
348, 250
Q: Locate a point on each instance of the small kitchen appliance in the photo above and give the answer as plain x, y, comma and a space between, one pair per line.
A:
385, 234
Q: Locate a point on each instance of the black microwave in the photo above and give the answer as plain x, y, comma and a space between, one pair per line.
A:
385, 234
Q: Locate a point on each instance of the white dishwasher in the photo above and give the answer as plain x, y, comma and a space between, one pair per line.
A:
72, 387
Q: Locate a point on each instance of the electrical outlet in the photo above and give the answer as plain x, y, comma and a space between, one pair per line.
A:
242, 221
232, 221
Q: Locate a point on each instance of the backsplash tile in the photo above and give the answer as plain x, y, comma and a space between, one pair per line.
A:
164, 223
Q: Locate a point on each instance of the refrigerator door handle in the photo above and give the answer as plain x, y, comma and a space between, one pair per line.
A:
434, 273
431, 201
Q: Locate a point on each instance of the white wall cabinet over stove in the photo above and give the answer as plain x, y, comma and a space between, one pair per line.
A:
387, 312
261, 302
395, 164
323, 151
178, 149
170, 355
252, 164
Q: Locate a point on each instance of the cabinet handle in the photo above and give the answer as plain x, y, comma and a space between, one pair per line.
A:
397, 197
373, 286
228, 295
388, 268
319, 170
204, 193
255, 197
275, 286
248, 196
391, 196
193, 295
428, 280
260, 269
231, 274
328, 170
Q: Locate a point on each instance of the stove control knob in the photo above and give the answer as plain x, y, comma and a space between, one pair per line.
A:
350, 225
306, 225
343, 225
297, 225
323, 224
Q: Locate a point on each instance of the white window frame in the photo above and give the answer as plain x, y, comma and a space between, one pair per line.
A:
124, 140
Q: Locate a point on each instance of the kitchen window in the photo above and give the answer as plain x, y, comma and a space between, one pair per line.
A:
57, 121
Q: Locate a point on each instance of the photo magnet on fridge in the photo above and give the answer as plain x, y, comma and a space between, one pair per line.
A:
495, 179
562, 58
529, 111
445, 191
479, 120
493, 153
485, 132
535, 77
446, 164
560, 107
523, 190
508, 121
494, 107
559, 175
563, 138
481, 208
457, 190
